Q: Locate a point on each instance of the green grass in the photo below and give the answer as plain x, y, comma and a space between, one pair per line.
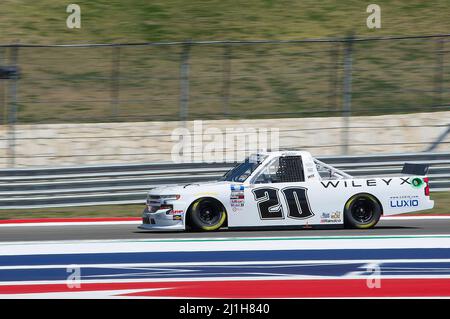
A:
442, 206
43, 21
73, 85
441, 203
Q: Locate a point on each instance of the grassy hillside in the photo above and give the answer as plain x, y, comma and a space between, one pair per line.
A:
43, 21
75, 85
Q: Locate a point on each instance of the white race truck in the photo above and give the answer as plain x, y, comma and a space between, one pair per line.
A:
286, 189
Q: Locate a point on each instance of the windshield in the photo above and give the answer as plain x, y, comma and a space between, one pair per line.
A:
243, 170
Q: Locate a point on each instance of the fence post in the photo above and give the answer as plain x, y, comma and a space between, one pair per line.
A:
347, 101
12, 111
439, 75
439, 140
115, 81
4, 112
226, 79
333, 84
184, 83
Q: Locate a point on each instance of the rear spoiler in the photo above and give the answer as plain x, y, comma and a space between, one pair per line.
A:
415, 169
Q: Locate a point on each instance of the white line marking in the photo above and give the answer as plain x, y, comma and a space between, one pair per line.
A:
227, 263
280, 244
357, 236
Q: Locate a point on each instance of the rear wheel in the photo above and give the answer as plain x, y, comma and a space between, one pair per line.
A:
362, 211
207, 214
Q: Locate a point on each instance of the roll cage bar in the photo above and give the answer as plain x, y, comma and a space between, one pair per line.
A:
330, 170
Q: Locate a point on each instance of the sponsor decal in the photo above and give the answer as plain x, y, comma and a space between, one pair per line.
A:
417, 182
331, 218
325, 215
352, 183
237, 202
405, 180
404, 201
311, 176
175, 212
176, 217
237, 187
371, 182
336, 215
237, 197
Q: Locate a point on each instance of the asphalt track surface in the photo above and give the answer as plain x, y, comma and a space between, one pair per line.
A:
97, 232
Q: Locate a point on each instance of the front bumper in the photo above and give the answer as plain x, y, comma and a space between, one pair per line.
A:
160, 220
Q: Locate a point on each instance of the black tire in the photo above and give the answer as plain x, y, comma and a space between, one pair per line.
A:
362, 211
207, 214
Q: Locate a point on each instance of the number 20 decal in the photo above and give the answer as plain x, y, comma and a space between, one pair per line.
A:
269, 205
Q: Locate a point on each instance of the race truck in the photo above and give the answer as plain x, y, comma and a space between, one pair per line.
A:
290, 190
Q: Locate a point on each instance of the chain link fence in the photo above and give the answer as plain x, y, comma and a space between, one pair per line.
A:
182, 81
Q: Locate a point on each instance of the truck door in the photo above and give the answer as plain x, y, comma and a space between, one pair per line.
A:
280, 193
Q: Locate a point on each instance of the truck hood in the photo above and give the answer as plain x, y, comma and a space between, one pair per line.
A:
183, 188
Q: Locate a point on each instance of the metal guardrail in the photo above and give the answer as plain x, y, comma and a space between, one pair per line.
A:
129, 183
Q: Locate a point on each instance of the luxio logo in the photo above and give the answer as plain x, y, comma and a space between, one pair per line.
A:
405, 203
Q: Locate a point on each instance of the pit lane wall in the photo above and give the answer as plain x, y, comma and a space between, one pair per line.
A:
137, 142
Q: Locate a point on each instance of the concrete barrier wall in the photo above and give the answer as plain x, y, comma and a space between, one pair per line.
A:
100, 143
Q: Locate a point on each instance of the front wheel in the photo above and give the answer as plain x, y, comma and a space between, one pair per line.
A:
362, 211
207, 215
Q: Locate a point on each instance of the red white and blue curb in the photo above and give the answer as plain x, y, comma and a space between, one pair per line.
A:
413, 266
275, 288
